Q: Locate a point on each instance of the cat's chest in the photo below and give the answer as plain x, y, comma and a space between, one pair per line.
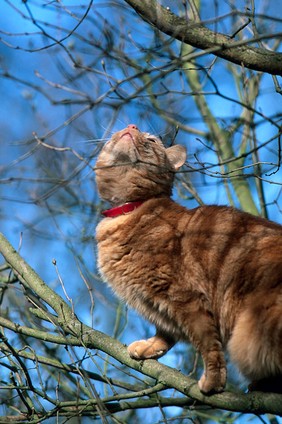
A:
136, 259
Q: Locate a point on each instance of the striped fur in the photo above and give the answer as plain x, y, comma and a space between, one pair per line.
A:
210, 275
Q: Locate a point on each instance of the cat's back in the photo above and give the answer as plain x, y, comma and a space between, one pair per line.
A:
162, 252
210, 241
161, 225
234, 248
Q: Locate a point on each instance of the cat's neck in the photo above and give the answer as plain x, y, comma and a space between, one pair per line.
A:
122, 209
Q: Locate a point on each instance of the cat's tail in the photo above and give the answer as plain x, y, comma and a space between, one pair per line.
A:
256, 341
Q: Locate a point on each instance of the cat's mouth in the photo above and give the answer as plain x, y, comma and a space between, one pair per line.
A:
127, 144
127, 134
120, 151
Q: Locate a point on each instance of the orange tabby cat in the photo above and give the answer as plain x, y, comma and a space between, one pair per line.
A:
210, 275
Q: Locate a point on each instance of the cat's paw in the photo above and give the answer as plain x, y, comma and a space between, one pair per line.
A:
152, 348
213, 382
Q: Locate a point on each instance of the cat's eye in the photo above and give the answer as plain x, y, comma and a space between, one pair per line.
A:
154, 139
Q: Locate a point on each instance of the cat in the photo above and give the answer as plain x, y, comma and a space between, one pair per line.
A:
211, 275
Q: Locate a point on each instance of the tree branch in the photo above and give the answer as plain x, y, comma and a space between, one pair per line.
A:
200, 37
256, 403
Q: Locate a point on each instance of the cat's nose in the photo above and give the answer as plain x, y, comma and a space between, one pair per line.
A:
132, 127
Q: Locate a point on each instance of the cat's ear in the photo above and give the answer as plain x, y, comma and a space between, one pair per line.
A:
176, 155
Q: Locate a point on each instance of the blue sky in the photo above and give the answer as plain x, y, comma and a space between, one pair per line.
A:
23, 111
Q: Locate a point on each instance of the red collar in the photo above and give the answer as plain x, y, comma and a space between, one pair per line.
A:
122, 209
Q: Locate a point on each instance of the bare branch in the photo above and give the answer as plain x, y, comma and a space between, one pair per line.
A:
195, 34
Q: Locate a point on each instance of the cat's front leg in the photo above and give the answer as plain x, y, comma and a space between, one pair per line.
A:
214, 377
199, 327
152, 348
206, 339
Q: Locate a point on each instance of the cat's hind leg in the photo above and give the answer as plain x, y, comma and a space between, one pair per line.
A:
256, 342
152, 348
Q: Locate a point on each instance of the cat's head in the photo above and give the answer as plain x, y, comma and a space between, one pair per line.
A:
134, 165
